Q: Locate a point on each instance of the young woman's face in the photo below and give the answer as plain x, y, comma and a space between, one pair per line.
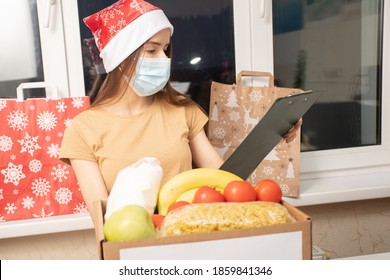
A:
157, 46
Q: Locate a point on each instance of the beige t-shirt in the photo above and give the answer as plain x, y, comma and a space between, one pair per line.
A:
114, 142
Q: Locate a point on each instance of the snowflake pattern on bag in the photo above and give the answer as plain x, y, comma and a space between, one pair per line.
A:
34, 183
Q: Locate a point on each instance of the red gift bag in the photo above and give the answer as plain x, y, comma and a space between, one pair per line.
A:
34, 183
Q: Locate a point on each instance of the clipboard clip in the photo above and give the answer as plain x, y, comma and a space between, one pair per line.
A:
299, 92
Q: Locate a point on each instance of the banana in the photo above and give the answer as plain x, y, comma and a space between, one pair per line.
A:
192, 179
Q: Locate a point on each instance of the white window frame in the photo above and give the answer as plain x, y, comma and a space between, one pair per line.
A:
53, 45
73, 48
331, 175
60, 44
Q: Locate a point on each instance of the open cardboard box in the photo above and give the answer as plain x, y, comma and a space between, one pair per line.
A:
284, 241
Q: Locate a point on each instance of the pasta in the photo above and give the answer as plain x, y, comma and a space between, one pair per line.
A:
208, 217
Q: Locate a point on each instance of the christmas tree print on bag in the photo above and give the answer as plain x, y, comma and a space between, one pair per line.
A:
235, 110
34, 183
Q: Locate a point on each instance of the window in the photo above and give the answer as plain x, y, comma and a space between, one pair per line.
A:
20, 54
33, 50
245, 39
203, 44
351, 75
335, 46
354, 91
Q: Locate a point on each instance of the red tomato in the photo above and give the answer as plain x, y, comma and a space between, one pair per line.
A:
157, 220
268, 190
207, 194
239, 191
177, 204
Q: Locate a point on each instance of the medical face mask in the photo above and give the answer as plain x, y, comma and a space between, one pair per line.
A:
151, 76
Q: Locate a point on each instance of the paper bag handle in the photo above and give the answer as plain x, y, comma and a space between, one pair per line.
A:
22, 86
255, 74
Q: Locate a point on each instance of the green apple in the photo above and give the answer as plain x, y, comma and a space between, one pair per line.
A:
130, 222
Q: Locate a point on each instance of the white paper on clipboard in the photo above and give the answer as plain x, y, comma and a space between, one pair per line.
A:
283, 114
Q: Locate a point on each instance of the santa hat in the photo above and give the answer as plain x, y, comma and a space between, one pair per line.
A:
123, 27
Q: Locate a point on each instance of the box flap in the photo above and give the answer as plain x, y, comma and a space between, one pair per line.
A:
298, 214
306, 229
99, 208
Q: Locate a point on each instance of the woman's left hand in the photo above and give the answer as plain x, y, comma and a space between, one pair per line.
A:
292, 133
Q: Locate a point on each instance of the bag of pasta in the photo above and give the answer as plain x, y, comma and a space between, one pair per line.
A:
208, 217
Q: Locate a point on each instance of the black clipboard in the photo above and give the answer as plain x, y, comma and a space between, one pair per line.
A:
269, 131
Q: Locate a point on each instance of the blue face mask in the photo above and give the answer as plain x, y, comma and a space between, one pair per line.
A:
151, 76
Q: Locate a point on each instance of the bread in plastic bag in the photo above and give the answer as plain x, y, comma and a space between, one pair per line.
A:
208, 217
139, 184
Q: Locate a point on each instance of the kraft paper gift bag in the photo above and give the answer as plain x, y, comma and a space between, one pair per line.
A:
34, 183
235, 110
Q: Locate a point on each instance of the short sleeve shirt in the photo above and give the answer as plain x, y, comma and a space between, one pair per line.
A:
162, 131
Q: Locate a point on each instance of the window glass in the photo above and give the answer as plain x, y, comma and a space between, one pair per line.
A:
20, 52
333, 45
203, 44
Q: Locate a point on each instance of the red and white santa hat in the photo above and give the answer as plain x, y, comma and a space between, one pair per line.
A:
123, 27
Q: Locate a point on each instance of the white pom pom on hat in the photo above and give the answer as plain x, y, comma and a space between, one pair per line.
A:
123, 27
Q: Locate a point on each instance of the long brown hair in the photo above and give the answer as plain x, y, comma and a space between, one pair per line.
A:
111, 89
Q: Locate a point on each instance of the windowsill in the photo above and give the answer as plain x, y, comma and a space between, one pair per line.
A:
342, 189
46, 225
313, 192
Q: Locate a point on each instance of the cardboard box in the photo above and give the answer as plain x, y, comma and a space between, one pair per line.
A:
284, 241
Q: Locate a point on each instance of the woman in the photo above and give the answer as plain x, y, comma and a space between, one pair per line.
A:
136, 112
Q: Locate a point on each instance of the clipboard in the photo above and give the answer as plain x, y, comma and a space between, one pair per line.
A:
269, 131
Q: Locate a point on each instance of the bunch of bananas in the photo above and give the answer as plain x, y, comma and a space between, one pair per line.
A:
183, 186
